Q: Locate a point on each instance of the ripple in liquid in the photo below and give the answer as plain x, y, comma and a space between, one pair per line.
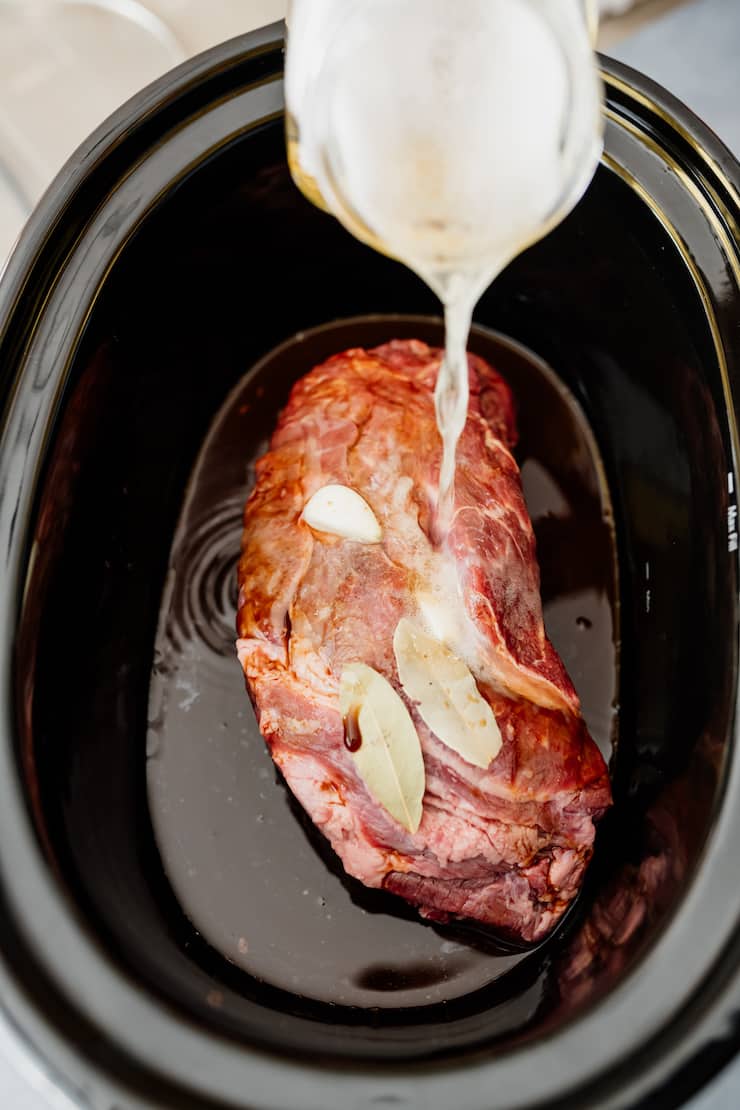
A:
204, 589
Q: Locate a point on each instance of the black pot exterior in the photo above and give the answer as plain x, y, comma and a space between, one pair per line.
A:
172, 253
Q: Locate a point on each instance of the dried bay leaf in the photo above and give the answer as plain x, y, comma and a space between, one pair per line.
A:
446, 695
389, 758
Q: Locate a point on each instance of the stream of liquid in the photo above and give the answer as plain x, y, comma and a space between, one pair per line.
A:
477, 135
451, 400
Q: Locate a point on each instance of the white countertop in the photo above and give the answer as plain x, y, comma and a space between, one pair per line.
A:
66, 65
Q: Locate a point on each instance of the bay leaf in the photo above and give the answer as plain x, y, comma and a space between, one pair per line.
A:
389, 758
446, 695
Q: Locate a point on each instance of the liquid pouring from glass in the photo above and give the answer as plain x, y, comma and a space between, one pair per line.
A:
449, 135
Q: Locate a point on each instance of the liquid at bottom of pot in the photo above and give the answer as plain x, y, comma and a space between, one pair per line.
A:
254, 877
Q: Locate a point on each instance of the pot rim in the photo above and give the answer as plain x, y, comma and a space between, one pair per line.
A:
156, 1048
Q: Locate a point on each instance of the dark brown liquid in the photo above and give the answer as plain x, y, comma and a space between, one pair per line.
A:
352, 734
258, 882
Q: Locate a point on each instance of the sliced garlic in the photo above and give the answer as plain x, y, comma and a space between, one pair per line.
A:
446, 695
389, 758
343, 512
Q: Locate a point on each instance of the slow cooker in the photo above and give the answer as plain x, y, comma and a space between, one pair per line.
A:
170, 256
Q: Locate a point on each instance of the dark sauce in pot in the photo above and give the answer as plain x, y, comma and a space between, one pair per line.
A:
253, 875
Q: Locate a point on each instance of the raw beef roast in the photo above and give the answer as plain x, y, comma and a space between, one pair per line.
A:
505, 844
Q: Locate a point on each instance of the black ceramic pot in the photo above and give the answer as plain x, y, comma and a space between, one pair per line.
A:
167, 258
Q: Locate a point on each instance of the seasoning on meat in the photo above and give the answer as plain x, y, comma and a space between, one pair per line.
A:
507, 843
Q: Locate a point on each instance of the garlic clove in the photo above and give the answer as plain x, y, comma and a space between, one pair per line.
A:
341, 511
